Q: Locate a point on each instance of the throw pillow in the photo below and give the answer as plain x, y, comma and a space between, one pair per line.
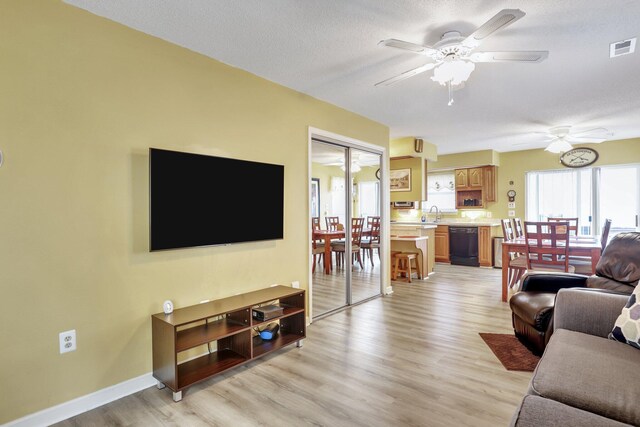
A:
627, 326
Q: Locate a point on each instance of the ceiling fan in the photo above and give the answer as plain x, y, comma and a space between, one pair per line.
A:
453, 59
561, 137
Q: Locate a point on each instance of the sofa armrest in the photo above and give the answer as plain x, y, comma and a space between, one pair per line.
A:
590, 311
551, 282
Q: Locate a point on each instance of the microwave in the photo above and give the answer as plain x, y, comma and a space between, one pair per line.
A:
404, 205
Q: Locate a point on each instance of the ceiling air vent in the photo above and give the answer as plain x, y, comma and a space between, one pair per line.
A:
623, 47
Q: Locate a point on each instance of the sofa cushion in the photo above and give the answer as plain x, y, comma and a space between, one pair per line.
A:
619, 265
590, 373
627, 326
535, 411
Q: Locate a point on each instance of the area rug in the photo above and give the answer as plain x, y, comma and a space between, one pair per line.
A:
513, 355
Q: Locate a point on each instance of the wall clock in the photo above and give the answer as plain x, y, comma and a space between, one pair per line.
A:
511, 194
378, 174
579, 157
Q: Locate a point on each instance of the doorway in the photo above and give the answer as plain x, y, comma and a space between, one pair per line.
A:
346, 214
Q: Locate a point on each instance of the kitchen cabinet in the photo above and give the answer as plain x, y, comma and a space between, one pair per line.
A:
462, 178
475, 178
484, 246
442, 244
489, 183
475, 187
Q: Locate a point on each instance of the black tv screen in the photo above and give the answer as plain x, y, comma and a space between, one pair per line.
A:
198, 200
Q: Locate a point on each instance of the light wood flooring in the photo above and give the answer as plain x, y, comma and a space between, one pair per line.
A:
413, 358
329, 289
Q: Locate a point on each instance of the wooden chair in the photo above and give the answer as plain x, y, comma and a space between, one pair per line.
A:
573, 224
333, 223
356, 238
517, 227
373, 241
582, 265
547, 246
402, 264
317, 245
517, 262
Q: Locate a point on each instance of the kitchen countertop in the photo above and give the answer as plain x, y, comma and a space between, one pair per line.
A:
431, 224
408, 238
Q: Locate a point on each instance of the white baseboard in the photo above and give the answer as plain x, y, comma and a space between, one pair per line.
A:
85, 403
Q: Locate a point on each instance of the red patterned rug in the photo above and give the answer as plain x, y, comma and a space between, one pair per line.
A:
513, 355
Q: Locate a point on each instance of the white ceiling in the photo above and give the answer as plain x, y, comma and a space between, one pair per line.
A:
328, 49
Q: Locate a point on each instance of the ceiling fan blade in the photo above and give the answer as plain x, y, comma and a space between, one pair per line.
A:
585, 139
501, 19
406, 75
596, 132
516, 56
411, 47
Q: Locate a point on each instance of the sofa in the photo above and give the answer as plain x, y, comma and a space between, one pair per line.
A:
584, 378
532, 307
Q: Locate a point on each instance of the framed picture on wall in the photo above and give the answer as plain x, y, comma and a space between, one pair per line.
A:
400, 179
315, 197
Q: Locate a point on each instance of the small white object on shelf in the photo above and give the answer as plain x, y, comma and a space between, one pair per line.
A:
167, 307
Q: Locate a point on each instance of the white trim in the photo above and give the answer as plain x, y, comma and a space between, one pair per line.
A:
85, 403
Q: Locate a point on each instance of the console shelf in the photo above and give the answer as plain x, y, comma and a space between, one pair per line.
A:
225, 325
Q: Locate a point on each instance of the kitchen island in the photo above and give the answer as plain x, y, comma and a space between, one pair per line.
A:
404, 238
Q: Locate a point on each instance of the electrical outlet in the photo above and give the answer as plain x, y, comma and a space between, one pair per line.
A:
511, 205
67, 341
489, 214
295, 284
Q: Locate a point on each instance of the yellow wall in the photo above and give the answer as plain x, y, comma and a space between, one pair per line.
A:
82, 100
465, 160
417, 178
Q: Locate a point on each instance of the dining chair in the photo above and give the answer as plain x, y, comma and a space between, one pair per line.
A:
583, 265
356, 238
547, 246
517, 262
372, 242
517, 227
573, 223
317, 245
333, 223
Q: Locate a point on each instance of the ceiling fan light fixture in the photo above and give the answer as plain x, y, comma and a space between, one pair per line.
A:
558, 146
455, 71
355, 168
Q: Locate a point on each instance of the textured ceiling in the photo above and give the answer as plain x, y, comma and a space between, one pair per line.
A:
328, 49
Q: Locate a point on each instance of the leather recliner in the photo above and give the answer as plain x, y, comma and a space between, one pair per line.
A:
532, 307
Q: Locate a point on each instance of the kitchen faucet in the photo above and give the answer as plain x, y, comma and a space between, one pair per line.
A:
438, 217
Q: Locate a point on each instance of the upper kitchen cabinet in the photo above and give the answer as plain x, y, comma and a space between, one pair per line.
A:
410, 188
475, 187
469, 178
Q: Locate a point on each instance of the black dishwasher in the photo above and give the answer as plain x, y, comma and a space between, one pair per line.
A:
463, 246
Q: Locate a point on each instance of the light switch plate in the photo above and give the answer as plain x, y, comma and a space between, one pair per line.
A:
511, 205
512, 213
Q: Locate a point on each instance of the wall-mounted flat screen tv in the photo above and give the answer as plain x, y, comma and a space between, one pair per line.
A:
198, 200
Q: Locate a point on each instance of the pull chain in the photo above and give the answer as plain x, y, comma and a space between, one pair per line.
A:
450, 97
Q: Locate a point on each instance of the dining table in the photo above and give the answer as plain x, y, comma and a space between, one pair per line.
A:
328, 236
583, 246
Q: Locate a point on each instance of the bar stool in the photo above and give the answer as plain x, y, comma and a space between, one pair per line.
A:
393, 259
403, 265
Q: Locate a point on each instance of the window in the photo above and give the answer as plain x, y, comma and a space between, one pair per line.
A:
369, 198
592, 195
441, 190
